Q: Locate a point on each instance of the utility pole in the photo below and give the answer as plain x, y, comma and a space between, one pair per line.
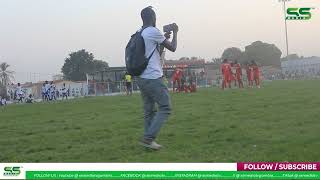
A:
285, 23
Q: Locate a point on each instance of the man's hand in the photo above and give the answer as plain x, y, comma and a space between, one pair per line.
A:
167, 35
175, 28
171, 46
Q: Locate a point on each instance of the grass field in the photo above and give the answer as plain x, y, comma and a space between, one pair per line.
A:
280, 122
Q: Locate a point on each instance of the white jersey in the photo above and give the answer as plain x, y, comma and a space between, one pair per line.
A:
64, 90
52, 88
47, 87
3, 101
43, 89
19, 90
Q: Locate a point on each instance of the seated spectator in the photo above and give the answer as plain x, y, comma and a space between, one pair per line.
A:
3, 101
29, 99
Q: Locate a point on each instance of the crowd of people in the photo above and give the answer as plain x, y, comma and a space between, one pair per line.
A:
51, 93
182, 83
232, 72
293, 75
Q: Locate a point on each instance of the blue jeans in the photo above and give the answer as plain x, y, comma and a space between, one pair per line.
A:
154, 91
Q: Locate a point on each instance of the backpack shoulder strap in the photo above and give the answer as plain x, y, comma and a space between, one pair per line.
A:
153, 52
143, 28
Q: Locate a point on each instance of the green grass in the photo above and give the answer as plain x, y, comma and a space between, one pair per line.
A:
280, 122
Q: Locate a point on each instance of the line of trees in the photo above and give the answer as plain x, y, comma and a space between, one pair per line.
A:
263, 53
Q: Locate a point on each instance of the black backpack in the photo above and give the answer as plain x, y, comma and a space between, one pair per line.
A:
136, 62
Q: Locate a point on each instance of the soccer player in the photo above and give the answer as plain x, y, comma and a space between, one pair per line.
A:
256, 73
226, 73
43, 92
193, 81
64, 91
128, 80
52, 92
249, 71
238, 74
47, 88
19, 93
176, 79
29, 99
233, 74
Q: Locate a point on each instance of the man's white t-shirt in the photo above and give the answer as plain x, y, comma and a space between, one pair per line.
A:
152, 39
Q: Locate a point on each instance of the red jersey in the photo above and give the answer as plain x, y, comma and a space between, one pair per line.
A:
256, 70
238, 69
251, 74
226, 68
177, 74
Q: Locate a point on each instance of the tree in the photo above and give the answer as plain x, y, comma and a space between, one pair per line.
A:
99, 65
6, 76
79, 63
232, 54
263, 53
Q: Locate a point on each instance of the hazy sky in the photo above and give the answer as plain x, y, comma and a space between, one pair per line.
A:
37, 35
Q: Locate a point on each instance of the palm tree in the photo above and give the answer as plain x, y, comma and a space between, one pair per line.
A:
6, 76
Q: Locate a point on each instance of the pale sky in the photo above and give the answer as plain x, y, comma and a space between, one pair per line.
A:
37, 35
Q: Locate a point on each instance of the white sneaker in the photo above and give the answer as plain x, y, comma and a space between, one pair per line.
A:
150, 145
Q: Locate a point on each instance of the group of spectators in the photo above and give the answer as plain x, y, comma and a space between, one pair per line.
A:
294, 75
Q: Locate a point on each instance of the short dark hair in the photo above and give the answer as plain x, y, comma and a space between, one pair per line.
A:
147, 14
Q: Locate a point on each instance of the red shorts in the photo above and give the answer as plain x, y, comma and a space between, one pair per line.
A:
232, 78
239, 77
250, 77
256, 76
226, 77
175, 79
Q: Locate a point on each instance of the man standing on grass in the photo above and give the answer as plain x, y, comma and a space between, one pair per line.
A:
64, 91
176, 79
226, 73
249, 75
256, 73
128, 80
238, 74
153, 90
